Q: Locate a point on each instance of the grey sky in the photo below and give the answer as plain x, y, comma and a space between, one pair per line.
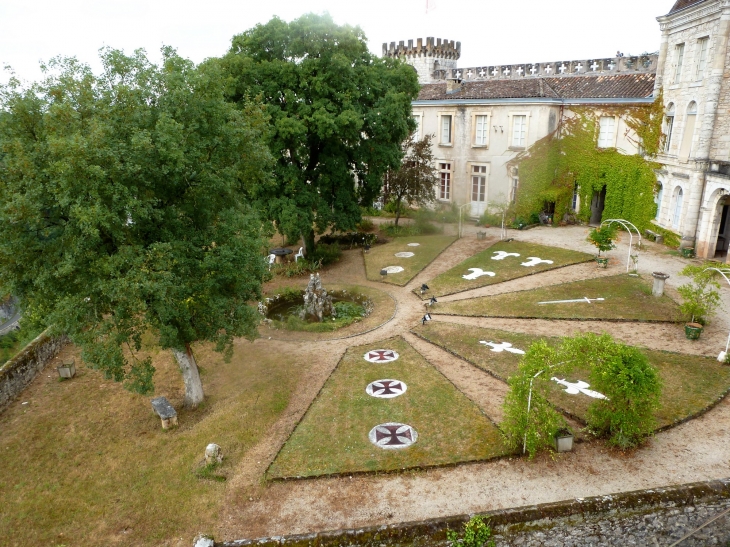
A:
490, 31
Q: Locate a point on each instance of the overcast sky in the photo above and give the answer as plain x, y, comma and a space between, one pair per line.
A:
490, 31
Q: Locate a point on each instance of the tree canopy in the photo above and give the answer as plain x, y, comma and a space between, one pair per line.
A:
414, 182
339, 116
122, 208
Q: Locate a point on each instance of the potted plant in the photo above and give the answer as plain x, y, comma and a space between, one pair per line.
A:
700, 299
603, 238
564, 440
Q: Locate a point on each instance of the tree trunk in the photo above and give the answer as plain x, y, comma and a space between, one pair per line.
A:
191, 377
397, 212
308, 243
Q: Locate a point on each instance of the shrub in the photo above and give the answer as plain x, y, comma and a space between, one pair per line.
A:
603, 238
326, 254
366, 225
295, 269
700, 297
491, 219
477, 533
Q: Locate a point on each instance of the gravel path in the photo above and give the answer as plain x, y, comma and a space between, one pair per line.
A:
694, 451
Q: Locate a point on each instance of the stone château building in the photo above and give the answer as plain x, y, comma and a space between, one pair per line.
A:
482, 117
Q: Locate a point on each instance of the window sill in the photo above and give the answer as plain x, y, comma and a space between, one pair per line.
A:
674, 86
517, 148
449, 145
485, 146
696, 84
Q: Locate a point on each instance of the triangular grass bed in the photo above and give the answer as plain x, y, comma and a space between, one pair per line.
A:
626, 299
451, 281
381, 256
332, 438
691, 383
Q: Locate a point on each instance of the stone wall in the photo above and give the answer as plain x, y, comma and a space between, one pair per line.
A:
20, 371
659, 516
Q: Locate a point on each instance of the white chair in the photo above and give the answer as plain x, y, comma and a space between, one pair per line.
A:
272, 258
300, 254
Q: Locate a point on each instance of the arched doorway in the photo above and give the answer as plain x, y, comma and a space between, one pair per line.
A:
723, 229
598, 202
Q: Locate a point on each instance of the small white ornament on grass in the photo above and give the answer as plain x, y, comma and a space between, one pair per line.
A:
477, 272
574, 388
393, 269
413, 244
534, 261
386, 389
501, 255
381, 356
502, 346
585, 299
393, 435
404, 255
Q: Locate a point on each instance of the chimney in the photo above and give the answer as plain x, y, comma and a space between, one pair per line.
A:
453, 85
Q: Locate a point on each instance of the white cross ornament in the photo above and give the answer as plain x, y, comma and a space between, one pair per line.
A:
534, 261
477, 272
533, 70
562, 69
520, 70
495, 71
548, 69
469, 74
574, 388
501, 255
611, 66
458, 73
506, 71
594, 66
578, 67
502, 346
482, 72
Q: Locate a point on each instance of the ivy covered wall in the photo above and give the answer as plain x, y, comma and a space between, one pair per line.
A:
568, 158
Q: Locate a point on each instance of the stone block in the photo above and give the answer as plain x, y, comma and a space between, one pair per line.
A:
165, 411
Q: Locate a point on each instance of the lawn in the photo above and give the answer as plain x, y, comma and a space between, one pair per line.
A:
690, 383
383, 309
510, 267
85, 462
626, 299
333, 435
382, 256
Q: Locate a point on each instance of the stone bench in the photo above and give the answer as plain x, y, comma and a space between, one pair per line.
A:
659, 238
164, 410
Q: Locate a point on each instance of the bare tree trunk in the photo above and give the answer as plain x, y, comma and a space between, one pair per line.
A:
397, 211
191, 377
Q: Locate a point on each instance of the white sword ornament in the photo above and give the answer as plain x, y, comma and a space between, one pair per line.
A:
584, 299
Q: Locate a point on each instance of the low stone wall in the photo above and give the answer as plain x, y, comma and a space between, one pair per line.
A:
20, 371
659, 516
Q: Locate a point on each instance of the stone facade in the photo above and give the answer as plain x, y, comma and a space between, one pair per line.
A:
18, 372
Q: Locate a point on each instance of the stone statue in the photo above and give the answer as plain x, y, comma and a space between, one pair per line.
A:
317, 303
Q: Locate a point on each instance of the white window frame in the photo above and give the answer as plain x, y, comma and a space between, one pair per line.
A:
418, 133
669, 125
474, 128
679, 58
604, 142
678, 204
701, 52
487, 170
511, 118
449, 171
658, 200
441, 116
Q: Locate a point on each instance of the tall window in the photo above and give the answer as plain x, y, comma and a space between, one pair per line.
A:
481, 131
701, 62
677, 209
445, 181
606, 132
670, 125
445, 129
478, 182
685, 150
513, 188
679, 55
417, 132
519, 130
658, 200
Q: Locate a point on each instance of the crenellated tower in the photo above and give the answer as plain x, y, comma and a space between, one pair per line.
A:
432, 60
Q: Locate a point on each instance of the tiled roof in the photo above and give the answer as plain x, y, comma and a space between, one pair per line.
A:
681, 4
624, 86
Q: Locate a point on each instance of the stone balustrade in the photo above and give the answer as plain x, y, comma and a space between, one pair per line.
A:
585, 67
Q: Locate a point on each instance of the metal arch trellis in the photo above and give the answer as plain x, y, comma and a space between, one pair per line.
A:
628, 226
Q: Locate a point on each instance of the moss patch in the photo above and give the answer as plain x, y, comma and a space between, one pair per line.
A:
333, 435
626, 299
452, 281
691, 383
382, 256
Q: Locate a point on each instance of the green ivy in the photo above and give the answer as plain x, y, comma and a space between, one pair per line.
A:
568, 158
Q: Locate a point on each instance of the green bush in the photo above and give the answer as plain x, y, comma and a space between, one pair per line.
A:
295, 269
603, 238
477, 533
366, 225
326, 254
700, 297
491, 219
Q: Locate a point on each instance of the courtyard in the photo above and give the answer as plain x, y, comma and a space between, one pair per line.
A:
292, 413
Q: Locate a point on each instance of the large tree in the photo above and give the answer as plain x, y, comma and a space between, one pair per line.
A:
414, 182
339, 115
121, 209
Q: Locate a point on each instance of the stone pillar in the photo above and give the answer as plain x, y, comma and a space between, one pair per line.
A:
659, 279
661, 61
692, 203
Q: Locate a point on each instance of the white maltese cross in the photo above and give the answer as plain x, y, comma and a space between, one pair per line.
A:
476, 272
502, 346
574, 388
534, 261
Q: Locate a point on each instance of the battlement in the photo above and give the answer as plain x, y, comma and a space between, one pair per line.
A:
434, 47
585, 67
